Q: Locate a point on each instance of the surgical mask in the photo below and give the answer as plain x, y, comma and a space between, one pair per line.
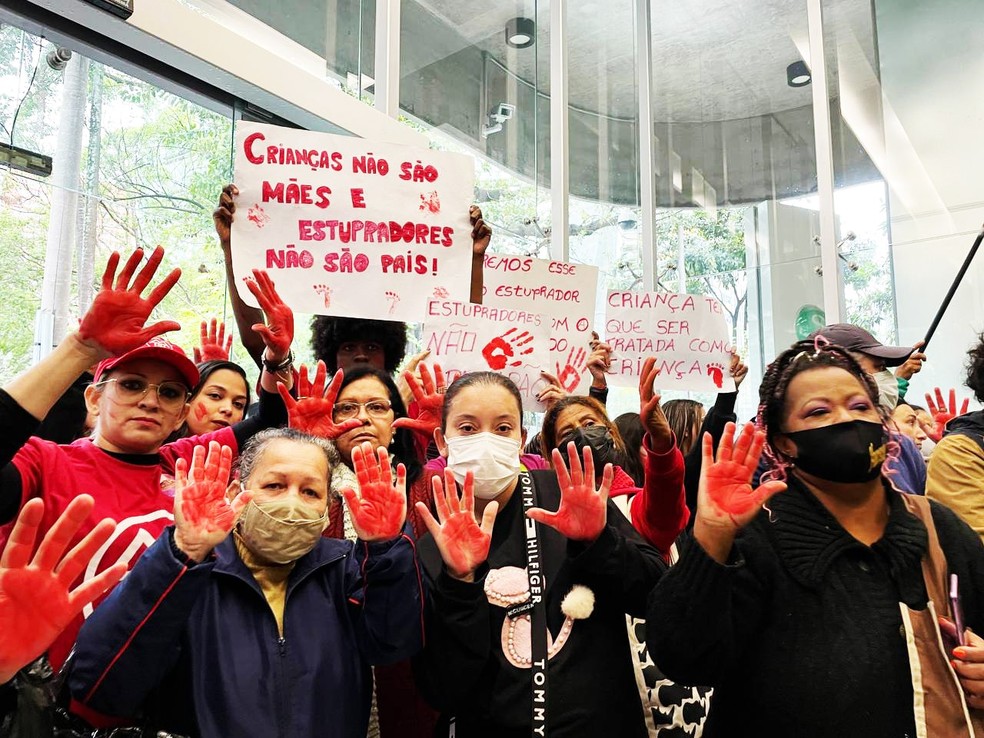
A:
281, 530
493, 459
848, 452
596, 437
927, 448
888, 389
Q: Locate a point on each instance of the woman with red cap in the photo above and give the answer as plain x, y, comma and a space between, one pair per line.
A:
138, 398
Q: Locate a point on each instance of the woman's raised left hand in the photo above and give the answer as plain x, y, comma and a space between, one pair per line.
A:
583, 509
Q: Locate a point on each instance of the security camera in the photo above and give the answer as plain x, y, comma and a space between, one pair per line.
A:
627, 220
502, 112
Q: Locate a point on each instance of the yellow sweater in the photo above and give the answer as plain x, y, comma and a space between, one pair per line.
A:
955, 477
272, 579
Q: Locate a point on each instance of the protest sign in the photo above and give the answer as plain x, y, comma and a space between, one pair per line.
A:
345, 226
563, 292
464, 337
688, 335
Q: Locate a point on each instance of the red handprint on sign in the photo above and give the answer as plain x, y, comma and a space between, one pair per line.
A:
570, 376
501, 349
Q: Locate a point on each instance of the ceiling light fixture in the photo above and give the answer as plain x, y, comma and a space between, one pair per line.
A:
58, 58
520, 33
797, 74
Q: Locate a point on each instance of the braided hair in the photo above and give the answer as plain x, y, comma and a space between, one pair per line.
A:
798, 358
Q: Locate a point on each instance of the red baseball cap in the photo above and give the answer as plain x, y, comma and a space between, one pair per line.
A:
158, 349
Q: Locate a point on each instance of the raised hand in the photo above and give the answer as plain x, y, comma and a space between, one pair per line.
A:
36, 602
481, 233
114, 323
312, 412
430, 400
725, 499
599, 361
278, 333
553, 392
942, 413
380, 509
912, 365
224, 214
463, 543
738, 370
583, 509
215, 345
650, 410
411, 366
203, 513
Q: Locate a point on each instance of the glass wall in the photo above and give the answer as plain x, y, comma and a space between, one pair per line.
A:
901, 84
735, 153
133, 166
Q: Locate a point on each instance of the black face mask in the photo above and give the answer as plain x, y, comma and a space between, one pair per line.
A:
596, 437
844, 452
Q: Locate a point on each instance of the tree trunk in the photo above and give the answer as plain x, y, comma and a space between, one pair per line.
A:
86, 255
53, 316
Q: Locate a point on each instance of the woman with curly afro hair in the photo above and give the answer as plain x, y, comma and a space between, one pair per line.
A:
345, 343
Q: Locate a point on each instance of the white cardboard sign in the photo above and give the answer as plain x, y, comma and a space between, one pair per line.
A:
464, 337
563, 292
345, 226
688, 335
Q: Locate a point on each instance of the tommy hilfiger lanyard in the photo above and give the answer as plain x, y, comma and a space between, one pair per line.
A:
536, 608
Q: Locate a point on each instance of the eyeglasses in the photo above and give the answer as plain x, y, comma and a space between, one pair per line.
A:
131, 390
346, 410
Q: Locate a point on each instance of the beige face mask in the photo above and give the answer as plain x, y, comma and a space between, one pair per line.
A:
281, 530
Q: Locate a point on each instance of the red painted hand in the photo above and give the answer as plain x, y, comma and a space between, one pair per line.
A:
501, 349
312, 413
430, 400
943, 414
203, 512
650, 410
570, 376
215, 344
463, 543
114, 323
278, 333
583, 510
380, 509
36, 602
725, 497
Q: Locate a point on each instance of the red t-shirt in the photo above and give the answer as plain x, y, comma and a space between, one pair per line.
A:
139, 497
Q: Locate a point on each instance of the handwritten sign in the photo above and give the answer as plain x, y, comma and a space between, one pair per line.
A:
349, 227
463, 338
688, 334
563, 292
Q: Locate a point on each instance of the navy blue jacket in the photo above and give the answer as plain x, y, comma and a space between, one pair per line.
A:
195, 649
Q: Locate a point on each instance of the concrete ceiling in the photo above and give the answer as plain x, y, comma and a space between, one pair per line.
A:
713, 60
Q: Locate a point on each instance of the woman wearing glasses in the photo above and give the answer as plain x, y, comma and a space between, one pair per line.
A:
139, 396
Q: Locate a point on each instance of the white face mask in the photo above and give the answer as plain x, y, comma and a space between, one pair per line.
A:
927, 448
888, 389
493, 459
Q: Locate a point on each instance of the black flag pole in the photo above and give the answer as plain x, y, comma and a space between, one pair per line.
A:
953, 289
